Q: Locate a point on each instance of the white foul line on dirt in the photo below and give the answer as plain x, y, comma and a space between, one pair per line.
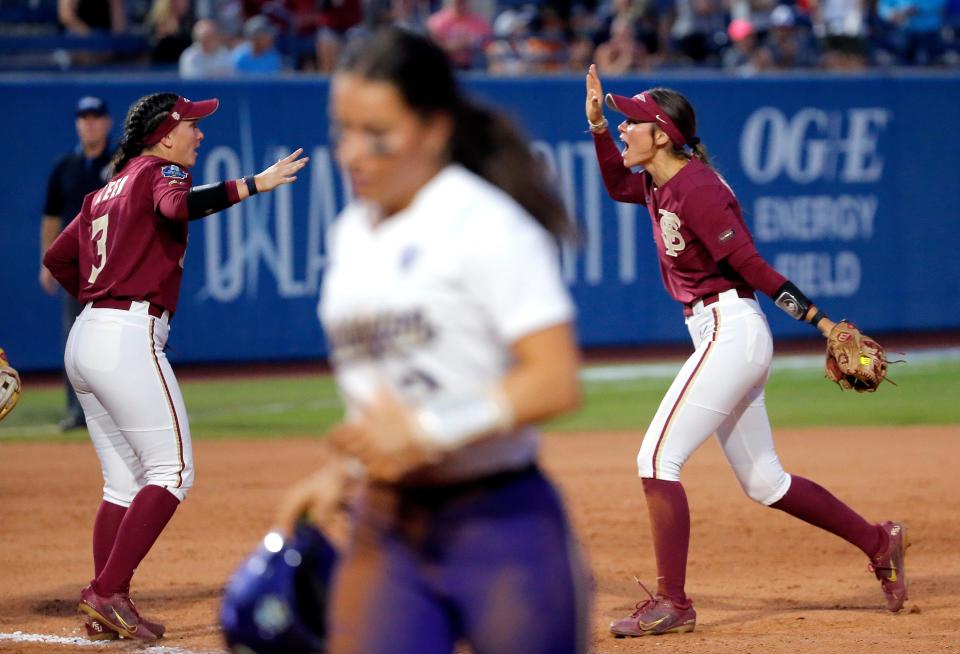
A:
20, 637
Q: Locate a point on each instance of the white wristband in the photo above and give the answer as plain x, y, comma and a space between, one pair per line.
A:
598, 127
451, 422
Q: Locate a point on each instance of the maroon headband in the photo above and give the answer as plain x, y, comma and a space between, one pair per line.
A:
182, 110
644, 109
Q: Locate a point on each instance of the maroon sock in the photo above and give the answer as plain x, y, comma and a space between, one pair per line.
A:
105, 528
814, 504
148, 514
670, 524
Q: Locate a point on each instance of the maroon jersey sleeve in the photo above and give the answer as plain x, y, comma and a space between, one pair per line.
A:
622, 185
63, 258
714, 216
172, 190
711, 211
171, 184
755, 270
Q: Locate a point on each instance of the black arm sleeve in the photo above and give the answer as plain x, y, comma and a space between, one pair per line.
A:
210, 198
792, 300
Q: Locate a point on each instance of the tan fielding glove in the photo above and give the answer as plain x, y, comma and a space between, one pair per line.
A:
854, 360
9, 386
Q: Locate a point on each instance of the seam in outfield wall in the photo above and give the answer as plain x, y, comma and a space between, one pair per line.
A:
593, 374
627, 372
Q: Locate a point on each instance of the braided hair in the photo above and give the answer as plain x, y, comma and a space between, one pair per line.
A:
144, 116
681, 113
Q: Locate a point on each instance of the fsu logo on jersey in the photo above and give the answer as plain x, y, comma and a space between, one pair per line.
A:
670, 230
173, 171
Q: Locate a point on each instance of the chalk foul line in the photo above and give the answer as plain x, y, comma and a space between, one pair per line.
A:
75, 641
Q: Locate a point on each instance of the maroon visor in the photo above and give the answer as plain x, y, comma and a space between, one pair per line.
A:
182, 110
642, 108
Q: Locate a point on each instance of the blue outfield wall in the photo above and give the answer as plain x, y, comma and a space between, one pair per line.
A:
850, 185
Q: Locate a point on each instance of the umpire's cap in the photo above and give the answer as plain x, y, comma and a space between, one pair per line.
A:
275, 603
91, 105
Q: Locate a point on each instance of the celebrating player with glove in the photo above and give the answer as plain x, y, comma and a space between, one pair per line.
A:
710, 265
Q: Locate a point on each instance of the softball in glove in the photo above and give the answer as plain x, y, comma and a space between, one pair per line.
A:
854, 360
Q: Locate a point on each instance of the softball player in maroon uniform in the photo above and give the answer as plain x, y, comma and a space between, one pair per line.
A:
710, 265
122, 257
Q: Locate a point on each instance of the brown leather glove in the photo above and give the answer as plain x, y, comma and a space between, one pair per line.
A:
9, 386
854, 360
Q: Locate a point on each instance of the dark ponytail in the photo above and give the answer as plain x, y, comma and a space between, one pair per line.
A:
700, 152
484, 141
144, 116
681, 113
489, 144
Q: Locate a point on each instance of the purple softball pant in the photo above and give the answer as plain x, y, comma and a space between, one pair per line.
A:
489, 562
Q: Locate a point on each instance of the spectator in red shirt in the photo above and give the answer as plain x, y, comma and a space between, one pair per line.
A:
462, 33
331, 21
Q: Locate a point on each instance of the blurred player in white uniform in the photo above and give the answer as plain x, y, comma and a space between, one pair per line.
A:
451, 334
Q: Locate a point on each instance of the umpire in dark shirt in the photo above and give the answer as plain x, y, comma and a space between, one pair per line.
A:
75, 174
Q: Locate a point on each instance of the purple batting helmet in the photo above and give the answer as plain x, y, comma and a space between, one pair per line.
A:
276, 602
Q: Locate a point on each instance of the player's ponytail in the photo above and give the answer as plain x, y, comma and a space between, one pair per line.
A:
484, 141
700, 152
144, 116
681, 113
489, 144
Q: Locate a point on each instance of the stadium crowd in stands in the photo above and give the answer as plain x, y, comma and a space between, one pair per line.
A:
217, 38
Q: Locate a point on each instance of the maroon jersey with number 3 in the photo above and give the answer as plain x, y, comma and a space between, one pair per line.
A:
120, 245
696, 219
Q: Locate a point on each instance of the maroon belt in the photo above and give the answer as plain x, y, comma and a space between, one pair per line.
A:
154, 310
712, 298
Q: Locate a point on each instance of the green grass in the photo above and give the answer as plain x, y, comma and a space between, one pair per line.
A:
255, 407
928, 392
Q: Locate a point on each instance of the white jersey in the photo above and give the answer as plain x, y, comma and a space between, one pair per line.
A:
429, 301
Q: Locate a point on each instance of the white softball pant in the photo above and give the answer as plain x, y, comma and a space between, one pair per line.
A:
134, 409
720, 390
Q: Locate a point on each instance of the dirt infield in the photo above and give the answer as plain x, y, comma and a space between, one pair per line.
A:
761, 581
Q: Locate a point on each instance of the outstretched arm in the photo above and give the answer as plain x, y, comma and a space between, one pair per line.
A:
717, 222
178, 202
759, 274
622, 185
